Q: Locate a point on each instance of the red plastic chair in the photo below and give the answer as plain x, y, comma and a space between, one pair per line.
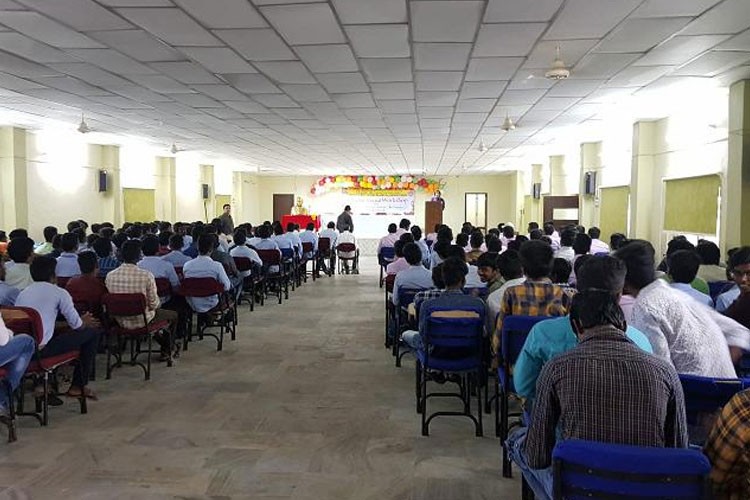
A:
27, 320
324, 252
251, 283
347, 248
309, 249
132, 304
272, 258
223, 315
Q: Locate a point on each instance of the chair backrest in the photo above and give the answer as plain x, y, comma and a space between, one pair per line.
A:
243, 263
706, 395
591, 470
406, 295
287, 253
124, 304
24, 320
201, 287
389, 280
454, 328
716, 288
324, 245
514, 333
346, 247
163, 287
307, 247
270, 257
386, 255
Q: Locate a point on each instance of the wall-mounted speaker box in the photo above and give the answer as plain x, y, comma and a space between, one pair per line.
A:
536, 190
205, 191
589, 183
102, 181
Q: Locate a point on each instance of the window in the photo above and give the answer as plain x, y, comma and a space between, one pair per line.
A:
476, 209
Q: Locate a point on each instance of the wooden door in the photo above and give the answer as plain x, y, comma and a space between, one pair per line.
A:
567, 203
282, 205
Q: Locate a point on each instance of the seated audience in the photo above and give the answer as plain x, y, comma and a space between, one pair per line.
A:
727, 448
567, 238
494, 245
476, 246
552, 337
472, 276
15, 353
204, 266
488, 272
438, 287
52, 301
175, 255
581, 246
739, 268
697, 341
554, 236
21, 252
347, 236
597, 245
309, 236
8, 293
508, 235
332, 235
441, 245
413, 277
537, 295
416, 232
675, 245
129, 278
604, 389
400, 263
433, 235
240, 249
104, 251
561, 271
683, 267
46, 248
87, 288
462, 240
158, 267
710, 269
390, 239
293, 235
511, 270
616, 240
67, 262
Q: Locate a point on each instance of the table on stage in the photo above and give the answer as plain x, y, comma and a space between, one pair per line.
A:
302, 220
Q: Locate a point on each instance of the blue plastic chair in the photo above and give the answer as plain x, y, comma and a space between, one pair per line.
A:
716, 288
512, 339
385, 257
743, 369
288, 259
446, 330
706, 396
405, 297
589, 470
479, 292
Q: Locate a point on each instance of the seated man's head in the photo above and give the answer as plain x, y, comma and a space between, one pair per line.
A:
509, 265
567, 237
739, 265
49, 233
561, 270
475, 240
683, 266
549, 228
240, 237
69, 242
176, 242
392, 228
509, 232
43, 269
595, 232
532, 226
638, 256
709, 253
103, 247
331, 225
18, 233
406, 238
416, 232
454, 273
600, 281
536, 259
206, 244
278, 229
536, 234
437, 276
493, 243
412, 253
404, 224
398, 247
131, 251
150, 245
310, 226
582, 244
487, 267
20, 250
164, 238
263, 232
616, 240
455, 251
290, 227
88, 263
462, 240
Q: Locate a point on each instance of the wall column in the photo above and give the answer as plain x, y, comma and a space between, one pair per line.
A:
14, 202
558, 176
591, 161
107, 157
166, 188
736, 217
643, 181
207, 177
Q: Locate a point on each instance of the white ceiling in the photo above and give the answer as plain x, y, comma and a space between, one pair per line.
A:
355, 86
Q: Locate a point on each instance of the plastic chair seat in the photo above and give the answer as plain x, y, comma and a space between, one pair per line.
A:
152, 327
39, 366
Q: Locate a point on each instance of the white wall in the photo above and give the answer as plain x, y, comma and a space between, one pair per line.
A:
190, 206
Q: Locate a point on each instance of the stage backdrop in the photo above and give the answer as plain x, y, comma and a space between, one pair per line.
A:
372, 210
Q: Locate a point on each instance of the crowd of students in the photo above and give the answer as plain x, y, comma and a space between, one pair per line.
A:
624, 326
66, 277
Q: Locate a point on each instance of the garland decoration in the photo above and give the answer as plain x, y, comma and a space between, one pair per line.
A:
387, 183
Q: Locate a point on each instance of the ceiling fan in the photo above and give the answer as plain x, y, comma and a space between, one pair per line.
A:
83, 127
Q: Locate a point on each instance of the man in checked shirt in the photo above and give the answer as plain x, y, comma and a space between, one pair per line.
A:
605, 389
728, 449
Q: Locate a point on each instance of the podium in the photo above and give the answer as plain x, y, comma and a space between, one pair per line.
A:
302, 220
433, 214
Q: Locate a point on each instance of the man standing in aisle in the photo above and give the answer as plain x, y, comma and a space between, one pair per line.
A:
227, 223
344, 221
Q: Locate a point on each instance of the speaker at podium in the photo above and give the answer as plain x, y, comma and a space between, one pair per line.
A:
433, 214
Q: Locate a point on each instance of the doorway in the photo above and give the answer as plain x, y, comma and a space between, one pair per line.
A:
282, 205
476, 210
561, 210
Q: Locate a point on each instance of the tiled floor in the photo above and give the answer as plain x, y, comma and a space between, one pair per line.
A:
306, 404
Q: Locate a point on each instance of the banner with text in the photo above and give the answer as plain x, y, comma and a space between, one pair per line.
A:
400, 202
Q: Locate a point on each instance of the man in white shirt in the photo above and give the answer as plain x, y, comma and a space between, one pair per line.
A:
15, 353
403, 227
683, 267
49, 300
549, 230
509, 265
175, 256
597, 245
390, 239
204, 266
567, 238
332, 235
309, 236
67, 262
348, 237
157, 266
21, 252
293, 236
739, 264
242, 250
696, 340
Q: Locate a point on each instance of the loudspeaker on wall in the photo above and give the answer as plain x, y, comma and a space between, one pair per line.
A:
102, 181
205, 191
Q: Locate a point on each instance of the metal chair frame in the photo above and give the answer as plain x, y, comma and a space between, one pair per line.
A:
223, 315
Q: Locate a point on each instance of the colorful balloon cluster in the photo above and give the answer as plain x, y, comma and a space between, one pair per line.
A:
374, 182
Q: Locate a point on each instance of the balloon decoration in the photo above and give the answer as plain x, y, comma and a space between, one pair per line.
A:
375, 183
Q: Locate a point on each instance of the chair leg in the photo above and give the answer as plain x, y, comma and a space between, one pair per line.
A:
425, 427
480, 426
418, 384
507, 471
12, 435
45, 400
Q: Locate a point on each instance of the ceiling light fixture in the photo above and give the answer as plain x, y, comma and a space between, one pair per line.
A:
83, 127
508, 124
558, 71
174, 149
482, 148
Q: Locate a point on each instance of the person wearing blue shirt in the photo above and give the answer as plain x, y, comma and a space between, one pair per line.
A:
204, 266
67, 262
309, 236
416, 276
8, 293
175, 256
158, 266
416, 231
